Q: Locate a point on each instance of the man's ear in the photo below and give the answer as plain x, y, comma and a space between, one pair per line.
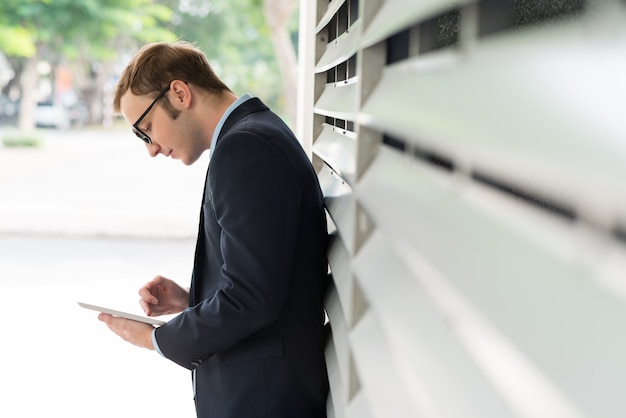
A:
182, 93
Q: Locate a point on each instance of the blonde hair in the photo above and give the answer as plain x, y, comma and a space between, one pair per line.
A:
158, 64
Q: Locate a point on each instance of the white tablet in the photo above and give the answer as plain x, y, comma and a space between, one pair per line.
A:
121, 314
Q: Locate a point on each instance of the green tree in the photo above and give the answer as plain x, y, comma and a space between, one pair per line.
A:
239, 40
249, 42
123, 29
89, 30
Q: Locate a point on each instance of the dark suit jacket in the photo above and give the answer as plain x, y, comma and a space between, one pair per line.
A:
254, 330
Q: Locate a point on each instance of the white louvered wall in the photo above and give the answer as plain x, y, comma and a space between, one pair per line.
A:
473, 158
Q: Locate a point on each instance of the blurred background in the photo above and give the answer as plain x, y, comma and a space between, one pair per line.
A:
85, 214
60, 59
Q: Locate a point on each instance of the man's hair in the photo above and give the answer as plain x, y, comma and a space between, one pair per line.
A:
156, 65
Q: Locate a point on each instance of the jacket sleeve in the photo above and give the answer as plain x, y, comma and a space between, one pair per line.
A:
256, 201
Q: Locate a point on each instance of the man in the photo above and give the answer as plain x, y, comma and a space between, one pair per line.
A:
251, 324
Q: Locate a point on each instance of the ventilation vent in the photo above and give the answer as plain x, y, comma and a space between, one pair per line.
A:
501, 15
345, 17
342, 72
529, 197
440, 32
442, 162
429, 157
340, 124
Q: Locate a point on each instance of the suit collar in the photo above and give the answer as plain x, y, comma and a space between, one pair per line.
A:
249, 106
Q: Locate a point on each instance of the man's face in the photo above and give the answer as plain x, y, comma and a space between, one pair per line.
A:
163, 135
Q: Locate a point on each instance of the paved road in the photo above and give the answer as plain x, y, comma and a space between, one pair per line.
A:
57, 358
89, 216
97, 182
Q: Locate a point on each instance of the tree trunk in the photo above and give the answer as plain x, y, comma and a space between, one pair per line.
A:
277, 14
28, 96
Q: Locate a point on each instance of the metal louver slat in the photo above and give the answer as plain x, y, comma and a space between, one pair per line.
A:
432, 372
338, 151
359, 408
339, 260
333, 7
501, 124
516, 283
386, 396
338, 101
340, 49
340, 331
335, 403
340, 204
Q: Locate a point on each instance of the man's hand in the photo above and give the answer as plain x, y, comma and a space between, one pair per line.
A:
134, 332
163, 296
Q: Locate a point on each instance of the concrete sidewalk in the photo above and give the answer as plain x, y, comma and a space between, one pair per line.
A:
97, 182
57, 204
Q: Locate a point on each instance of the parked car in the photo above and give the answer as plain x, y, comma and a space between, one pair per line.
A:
51, 115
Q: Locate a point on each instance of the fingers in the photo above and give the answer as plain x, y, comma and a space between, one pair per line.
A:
134, 332
106, 318
145, 306
147, 294
162, 296
114, 323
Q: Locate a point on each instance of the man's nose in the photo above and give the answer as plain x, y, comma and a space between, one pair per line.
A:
153, 149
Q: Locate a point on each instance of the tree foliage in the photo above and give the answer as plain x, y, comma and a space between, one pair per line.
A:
62, 25
235, 36
95, 37
88, 32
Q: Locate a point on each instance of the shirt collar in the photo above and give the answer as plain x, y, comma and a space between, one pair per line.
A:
242, 99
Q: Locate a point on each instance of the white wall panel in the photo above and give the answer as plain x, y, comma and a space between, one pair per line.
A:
472, 157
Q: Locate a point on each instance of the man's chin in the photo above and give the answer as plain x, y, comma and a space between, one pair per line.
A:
189, 160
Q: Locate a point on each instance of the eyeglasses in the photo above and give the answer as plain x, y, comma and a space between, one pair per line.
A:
136, 130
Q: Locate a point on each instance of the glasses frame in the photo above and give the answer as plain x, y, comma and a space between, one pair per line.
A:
136, 129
